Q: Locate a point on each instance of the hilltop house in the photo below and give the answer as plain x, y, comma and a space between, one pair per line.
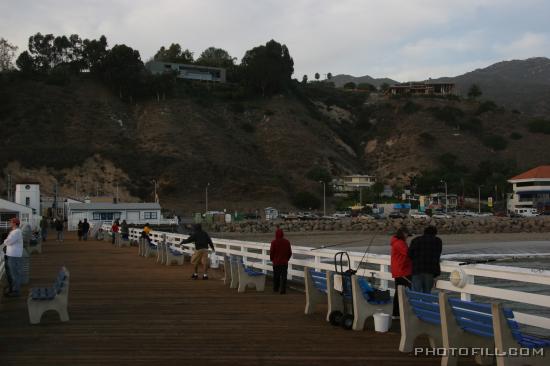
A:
350, 183
531, 190
185, 71
421, 89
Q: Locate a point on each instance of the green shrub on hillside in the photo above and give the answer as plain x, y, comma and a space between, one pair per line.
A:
411, 107
515, 136
319, 174
473, 124
494, 142
306, 201
447, 114
539, 126
487, 106
248, 127
426, 139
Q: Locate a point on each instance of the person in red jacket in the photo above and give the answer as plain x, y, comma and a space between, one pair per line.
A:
401, 264
280, 253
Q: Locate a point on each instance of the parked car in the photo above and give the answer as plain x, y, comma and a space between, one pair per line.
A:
441, 215
341, 215
527, 212
419, 215
397, 215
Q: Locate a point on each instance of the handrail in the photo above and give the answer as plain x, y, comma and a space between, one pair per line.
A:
256, 255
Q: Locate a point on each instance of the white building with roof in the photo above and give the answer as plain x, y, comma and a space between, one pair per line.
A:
531, 190
133, 213
9, 209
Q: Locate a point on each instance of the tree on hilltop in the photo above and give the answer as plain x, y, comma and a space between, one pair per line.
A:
474, 92
175, 54
7, 54
267, 68
122, 68
216, 57
317, 76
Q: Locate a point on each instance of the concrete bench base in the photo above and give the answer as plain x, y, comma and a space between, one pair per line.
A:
362, 309
59, 303
248, 280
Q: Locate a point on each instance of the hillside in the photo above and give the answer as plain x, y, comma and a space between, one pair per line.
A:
521, 84
254, 152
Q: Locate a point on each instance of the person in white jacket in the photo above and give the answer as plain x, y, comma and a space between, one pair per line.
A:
14, 258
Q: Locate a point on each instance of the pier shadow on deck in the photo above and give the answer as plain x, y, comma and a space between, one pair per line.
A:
128, 310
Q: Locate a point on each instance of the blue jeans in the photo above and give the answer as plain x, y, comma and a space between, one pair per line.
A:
44, 234
15, 272
423, 282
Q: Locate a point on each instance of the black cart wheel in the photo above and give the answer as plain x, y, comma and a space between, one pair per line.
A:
335, 318
347, 321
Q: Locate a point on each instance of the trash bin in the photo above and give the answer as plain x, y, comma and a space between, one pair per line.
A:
382, 322
26, 267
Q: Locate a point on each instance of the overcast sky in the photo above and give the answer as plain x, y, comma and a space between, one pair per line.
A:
404, 40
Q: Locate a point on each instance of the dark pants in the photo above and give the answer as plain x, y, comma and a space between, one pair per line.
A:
279, 277
423, 282
403, 281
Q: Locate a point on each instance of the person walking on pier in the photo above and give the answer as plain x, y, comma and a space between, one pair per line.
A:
114, 231
44, 228
401, 264
124, 231
85, 229
14, 260
79, 230
280, 253
425, 253
202, 241
59, 229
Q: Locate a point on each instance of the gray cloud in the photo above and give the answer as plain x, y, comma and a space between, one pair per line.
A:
405, 40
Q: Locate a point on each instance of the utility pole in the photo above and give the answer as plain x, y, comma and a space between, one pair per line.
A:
324, 199
117, 193
206, 193
478, 199
446, 195
9, 187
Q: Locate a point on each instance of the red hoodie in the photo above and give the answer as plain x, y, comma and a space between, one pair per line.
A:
401, 264
280, 251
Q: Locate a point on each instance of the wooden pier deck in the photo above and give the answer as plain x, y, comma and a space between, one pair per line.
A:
128, 310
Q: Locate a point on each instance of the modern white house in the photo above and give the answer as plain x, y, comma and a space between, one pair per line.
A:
351, 183
531, 190
185, 71
133, 213
10, 209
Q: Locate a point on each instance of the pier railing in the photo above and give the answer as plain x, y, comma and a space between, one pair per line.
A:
462, 279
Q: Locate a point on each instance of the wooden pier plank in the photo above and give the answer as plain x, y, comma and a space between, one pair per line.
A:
128, 310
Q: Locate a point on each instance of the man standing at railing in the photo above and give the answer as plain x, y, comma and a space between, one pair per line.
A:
85, 229
280, 253
14, 260
425, 253
202, 240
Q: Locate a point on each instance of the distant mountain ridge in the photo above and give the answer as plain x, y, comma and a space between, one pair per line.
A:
341, 79
523, 85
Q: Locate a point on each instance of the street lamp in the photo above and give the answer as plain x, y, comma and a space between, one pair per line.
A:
479, 199
155, 190
324, 198
206, 191
446, 195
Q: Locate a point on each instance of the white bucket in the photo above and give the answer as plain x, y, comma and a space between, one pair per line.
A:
382, 322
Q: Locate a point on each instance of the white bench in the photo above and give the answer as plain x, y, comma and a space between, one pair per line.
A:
248, 277
172, 255
42, 299
363, 304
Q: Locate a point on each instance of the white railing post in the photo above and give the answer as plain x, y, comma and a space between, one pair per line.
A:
384, 268
470, 279
264, 260
317, 263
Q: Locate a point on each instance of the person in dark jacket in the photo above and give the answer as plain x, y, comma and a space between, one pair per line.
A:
280, 253
202, 241
401, 264
85, 229
425, 253
59, 229
79, 230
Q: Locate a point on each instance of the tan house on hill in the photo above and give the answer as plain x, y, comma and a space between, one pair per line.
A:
421, 89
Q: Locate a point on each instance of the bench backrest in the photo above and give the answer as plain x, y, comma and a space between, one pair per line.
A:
424, 306
473, 317
319, 280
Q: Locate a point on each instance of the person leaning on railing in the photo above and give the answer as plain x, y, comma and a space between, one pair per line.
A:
202, 240
14, 258
425, 253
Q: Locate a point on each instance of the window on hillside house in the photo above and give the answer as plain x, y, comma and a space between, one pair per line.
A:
150, 215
